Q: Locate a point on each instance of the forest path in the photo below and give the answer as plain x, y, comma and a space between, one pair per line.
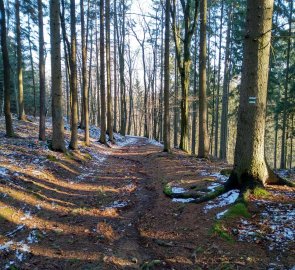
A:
104, 208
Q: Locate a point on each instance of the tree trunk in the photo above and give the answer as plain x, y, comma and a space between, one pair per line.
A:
195, 103
250, 167
32, 67
102, 138
226, 79
73, 80
283, 145
85, 94
57, 112
176, 106
97, 76
21, 115
218, 84
115, 69
108, 63
6, 65
203, 151
167, 147
42, 112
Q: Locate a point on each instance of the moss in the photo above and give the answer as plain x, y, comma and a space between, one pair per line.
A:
6, 212
237, 210
51, 158
213, 194
226, 172
69, 155
167, 190
220, 230
261, 193
88, 156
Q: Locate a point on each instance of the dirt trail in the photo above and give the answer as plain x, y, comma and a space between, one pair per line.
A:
104, 208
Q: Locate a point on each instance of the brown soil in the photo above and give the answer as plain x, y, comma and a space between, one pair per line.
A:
89, 213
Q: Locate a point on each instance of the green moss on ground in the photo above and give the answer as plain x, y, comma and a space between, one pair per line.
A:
220, 230
238, 210
51, 158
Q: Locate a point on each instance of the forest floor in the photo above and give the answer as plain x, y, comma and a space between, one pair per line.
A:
104, 208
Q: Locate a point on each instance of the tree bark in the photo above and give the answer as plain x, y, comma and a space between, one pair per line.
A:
226, 79
6, 65
56, 87
283, 145
73, 79
167, 147
216, 143
102, 138
250, 167
195, 103
184, 62
85, 94
108, 65
21, 115
203, 151
42, 90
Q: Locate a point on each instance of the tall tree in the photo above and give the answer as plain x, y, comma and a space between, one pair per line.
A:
21, 114
226, 79
203, 151
184, 59
250, 165
102, 138
218, 82
41, 73
58, 143
85, 94
167, 79
5, 57
108, 66
287, 80
73, 79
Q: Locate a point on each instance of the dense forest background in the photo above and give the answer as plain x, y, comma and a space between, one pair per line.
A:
136, 61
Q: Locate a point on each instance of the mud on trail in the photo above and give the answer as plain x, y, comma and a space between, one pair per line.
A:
104, 208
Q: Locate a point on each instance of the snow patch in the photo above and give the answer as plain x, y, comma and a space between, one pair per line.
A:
118, 204
225, 199
178, 190
275, 227
221, 214
26, 216
127, 141
154, 142
181, 200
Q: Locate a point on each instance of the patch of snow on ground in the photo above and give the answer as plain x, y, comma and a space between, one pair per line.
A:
3, 171
178, 190
26, 216
127, 141
154, 142
32, 238
221, 214
181, 200
276, 226
6, 246
118, 204
213, 186
225, 199
220, 177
